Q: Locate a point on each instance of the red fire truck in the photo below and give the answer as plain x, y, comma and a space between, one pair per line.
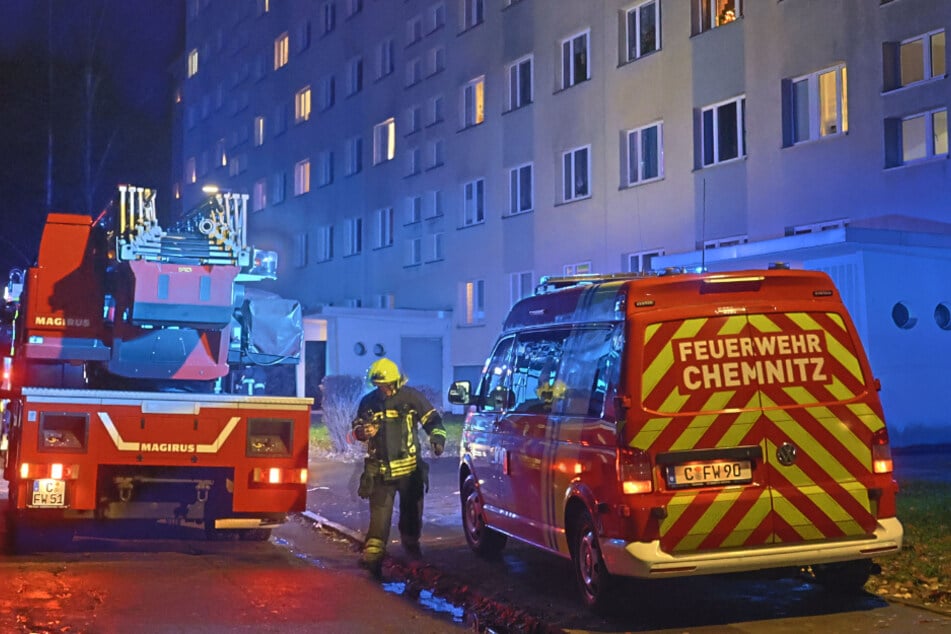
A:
125, 350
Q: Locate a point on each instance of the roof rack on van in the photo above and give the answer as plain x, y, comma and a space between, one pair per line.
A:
549, 283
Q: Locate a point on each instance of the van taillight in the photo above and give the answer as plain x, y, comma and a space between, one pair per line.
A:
881, 452
635, 471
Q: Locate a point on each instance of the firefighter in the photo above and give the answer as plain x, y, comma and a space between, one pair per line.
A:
387, 420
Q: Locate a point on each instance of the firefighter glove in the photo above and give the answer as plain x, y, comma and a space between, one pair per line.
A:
438, 446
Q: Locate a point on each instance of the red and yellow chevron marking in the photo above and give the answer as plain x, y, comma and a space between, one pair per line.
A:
762, 380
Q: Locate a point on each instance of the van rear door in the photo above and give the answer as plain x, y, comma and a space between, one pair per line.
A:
760, 424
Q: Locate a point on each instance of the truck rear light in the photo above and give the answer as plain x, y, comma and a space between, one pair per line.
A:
54, 471
277, 475
635, 471
881, 452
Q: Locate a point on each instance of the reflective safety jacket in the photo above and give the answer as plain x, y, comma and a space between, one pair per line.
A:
396, 444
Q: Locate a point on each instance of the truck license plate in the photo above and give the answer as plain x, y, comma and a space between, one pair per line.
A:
712, 472
48, 493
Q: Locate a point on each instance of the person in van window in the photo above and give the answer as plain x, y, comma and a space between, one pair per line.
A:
387, 420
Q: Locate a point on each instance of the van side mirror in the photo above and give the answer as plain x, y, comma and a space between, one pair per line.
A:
459, 393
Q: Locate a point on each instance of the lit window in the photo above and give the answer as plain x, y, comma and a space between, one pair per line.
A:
302, 177
384, 141
474, 202
723, 129
818, 105
193, 62
473, 302
302, 105
520, 83
574, 60
221, 154
472, 13
918, 137
643, 30
916, 59
576, 174
191, 172
473, 98
645, 153
281, 50
709, 14
520, 189
264, 6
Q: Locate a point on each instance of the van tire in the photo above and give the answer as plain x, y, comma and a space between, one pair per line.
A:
594, 581
484, 541
844, 577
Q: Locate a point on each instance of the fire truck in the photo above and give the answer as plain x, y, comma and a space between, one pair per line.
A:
126, 352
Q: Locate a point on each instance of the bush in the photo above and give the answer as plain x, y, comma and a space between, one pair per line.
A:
340, 396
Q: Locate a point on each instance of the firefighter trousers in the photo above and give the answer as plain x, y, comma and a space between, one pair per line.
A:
382, 499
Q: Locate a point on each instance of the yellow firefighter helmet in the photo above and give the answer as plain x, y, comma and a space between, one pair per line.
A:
384, 371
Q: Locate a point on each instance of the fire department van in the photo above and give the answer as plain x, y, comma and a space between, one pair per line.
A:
680, 424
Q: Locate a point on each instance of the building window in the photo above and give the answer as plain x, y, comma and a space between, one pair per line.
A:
520, 286
383, 233
709, 14
817, 105
302, 105
437, 60
437, 204
414, 120
302, 37
302, 177
645, 153
384, 141
473, 102
281, 50
193, 62
414, 71
414, 211
280, 119
300, 250
325, 168
437, 17
579, 268
916, 59
473, 211
325, 93
437, 154
191, 172
520, 189
723, 130
436, 109
414, 252
473, 302
278, 186
221, 154
259, 195
576, 173
918, 137
643, 30
437, 252
264, 6
384, 63
329, 15
574, 60
642, 261
354, 76
414, 30
325, 243
354, 155
353, 230
258, 131
385, 300
520, 83
414, 161
354, 7
473, 13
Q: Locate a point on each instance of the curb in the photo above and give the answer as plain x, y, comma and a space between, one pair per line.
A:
353, 535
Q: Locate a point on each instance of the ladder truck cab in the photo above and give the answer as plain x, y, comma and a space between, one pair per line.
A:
127, 349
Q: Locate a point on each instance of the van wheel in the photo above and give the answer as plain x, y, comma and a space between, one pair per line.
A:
482, 539
594, 580
845, 577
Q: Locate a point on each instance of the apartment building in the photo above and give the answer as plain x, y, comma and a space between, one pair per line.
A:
421, 164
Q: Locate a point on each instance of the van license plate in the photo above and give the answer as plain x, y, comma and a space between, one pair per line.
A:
711, 472
48, 493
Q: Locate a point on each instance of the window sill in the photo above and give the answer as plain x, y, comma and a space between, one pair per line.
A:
719, 163
641, 183
517, 214
567, 88
576, 199
628, 62
719, 26
412, 265
517, 108
821, 139
471, 27
471, 126
915, 163
435, 166
916, 84
470, 225
382, 246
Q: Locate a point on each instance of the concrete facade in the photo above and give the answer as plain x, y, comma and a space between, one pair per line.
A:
863, 193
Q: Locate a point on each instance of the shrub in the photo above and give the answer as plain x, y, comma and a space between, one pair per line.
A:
340, 396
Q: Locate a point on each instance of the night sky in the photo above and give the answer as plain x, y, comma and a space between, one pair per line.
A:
127, 48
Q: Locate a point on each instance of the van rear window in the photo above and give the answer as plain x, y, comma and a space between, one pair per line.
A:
748, 362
